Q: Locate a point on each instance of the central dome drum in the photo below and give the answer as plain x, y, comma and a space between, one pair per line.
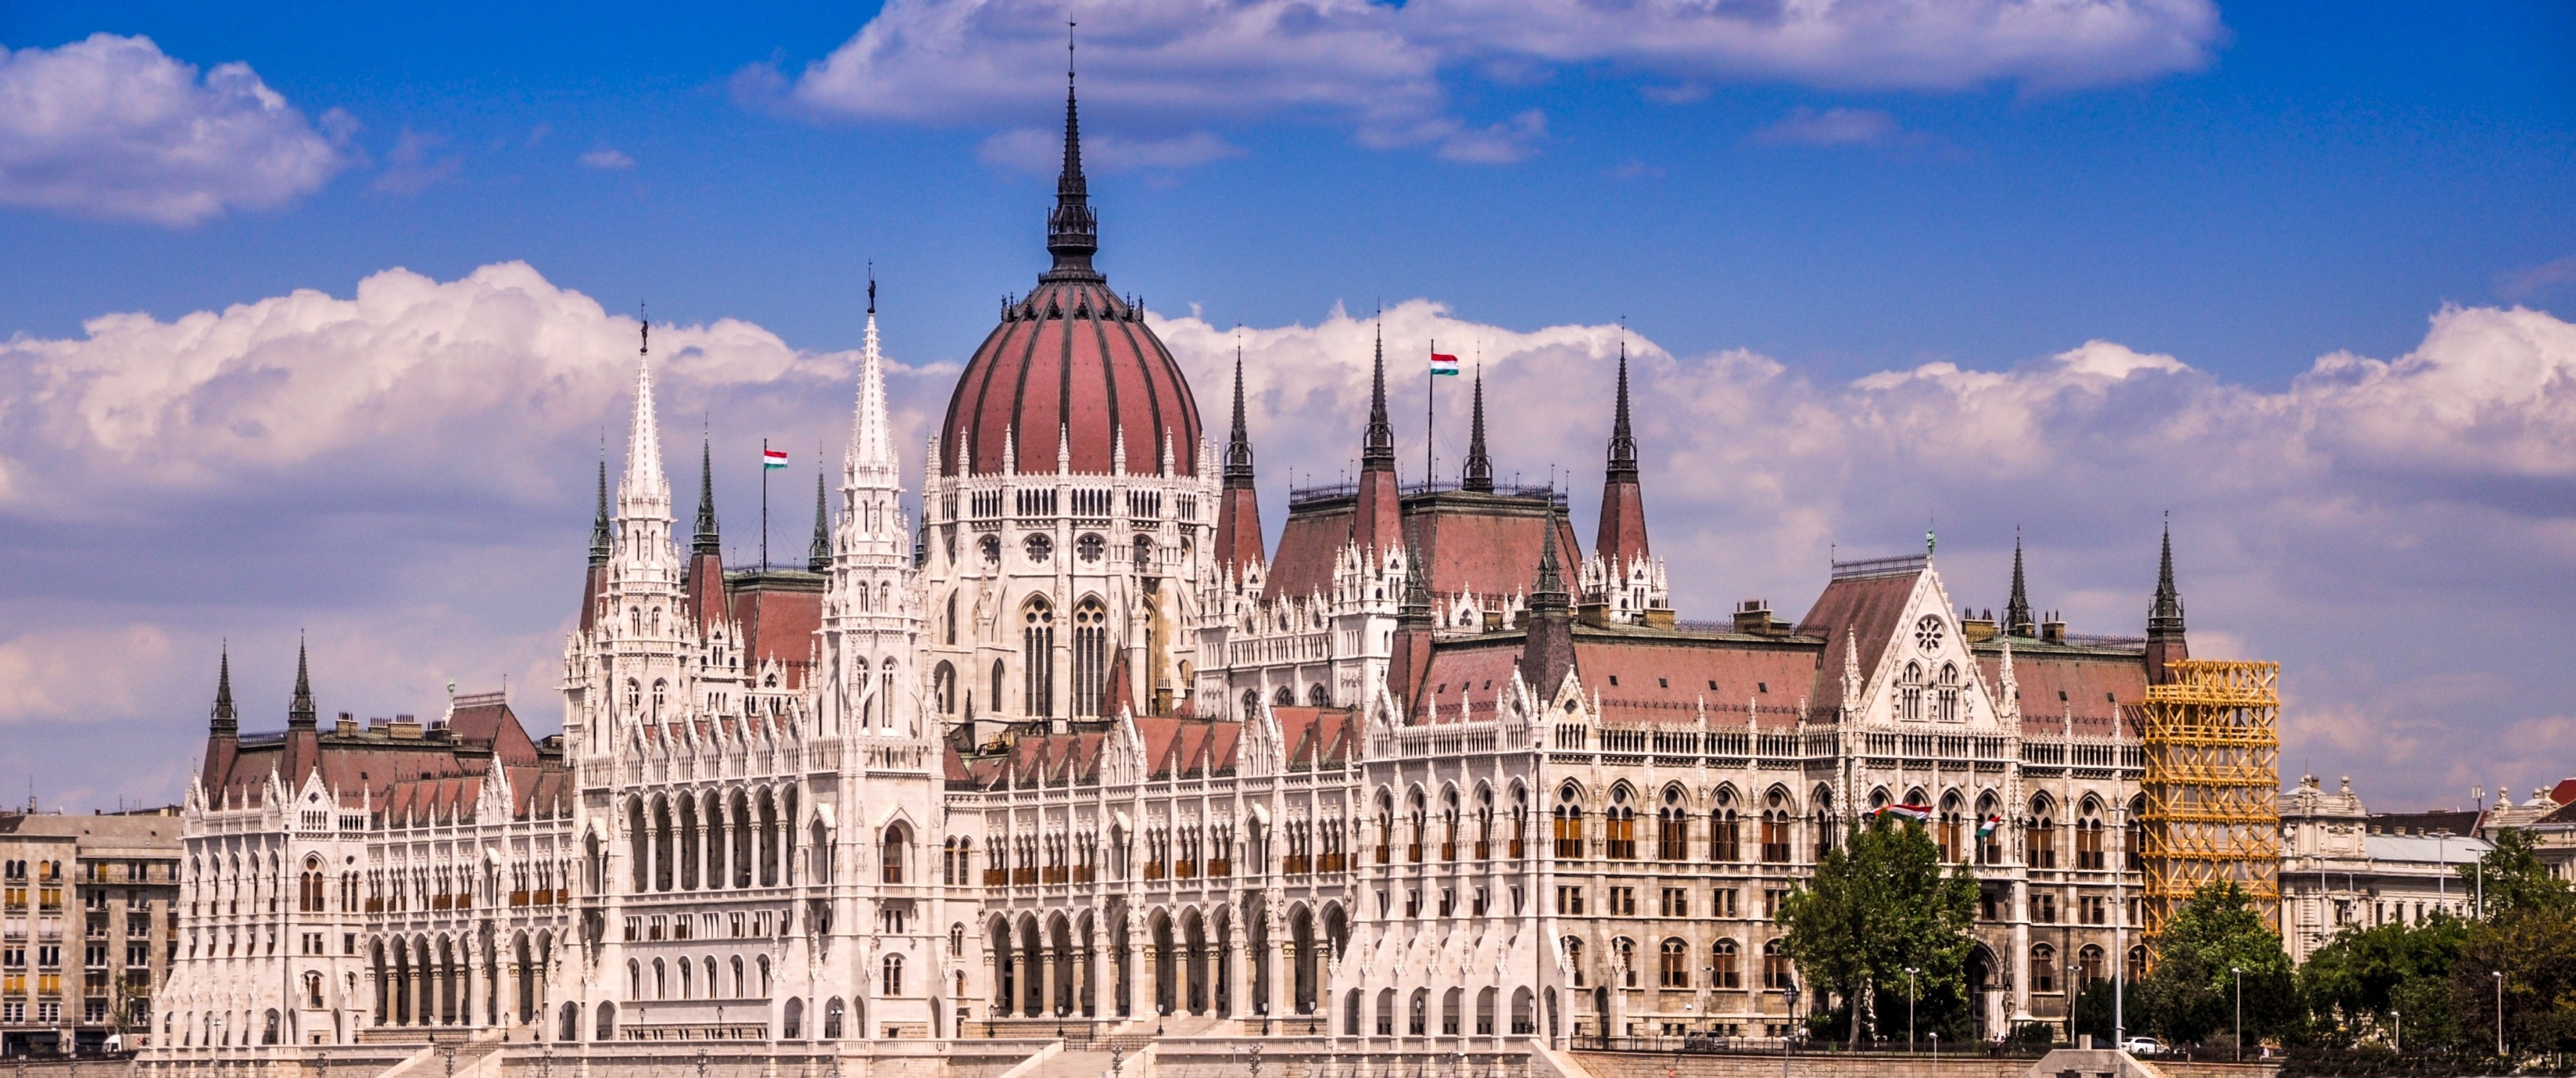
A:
1071, 371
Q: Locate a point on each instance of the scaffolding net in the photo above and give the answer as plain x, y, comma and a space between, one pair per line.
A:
2213, 783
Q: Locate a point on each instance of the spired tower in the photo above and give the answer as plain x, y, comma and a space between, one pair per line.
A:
1070, 503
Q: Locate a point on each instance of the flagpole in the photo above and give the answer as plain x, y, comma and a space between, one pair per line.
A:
1430, 417
764, 505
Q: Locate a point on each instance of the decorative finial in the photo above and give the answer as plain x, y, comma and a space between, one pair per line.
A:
872, 286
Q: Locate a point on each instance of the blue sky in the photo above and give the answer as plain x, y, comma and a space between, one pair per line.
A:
2218, 195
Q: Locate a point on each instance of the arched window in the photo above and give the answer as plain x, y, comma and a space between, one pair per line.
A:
993, 702
832, 1013
1945, 698
1574, 959
1672, 964
1722, 966
1285, 697
1090, 547
634, 695
1725, 841
1620, 824
2088, 965
1623, 954
2041, 839
1672, 827
893, 976
1316, 696
1090, 656
2043, 968
1909, 694
943, 688
948, 621
1778, 972
661, 690
1568, 818
897, 850
1037, 657
1144, 547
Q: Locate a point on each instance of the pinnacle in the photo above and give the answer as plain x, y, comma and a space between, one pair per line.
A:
818, 555
2017, 610
1377, 453
299, 711
224, 715
707, 540
2166, 617
1479, 473
1623, 439
1238, 446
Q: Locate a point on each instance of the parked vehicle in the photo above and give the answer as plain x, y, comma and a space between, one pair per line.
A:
2142, 1046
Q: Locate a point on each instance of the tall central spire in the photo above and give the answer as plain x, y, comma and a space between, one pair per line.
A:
1479, 473
643, 482
2018, 620
2166, 617
225, 719
300, 710
706, 541
1072, 231
1377, 454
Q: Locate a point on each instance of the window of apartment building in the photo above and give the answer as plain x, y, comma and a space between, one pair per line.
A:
2096, 909
1721, 902
1987, 899
1722, 971
1778, 972
1623, 902
1569, 900
2043, 907
1771, 899
1674, 902
13, 1012
94, 1011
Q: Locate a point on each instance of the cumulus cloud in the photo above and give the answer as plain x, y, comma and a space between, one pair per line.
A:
405, 472
1379, 68
111, 127
605, 157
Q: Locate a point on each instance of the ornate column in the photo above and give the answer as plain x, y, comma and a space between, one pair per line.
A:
1081, 979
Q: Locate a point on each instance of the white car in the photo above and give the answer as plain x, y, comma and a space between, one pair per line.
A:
2142, 1046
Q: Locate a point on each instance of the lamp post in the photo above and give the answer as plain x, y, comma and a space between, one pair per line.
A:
1910, 974
2499, 981
2239, 973
2400, 1017
1791, 992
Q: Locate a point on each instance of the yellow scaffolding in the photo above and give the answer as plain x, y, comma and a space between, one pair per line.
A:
2213, 784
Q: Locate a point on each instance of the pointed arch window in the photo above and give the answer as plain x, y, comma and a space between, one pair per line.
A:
1090, 656
1037, 658
661, 692
1945, 695
1909, 694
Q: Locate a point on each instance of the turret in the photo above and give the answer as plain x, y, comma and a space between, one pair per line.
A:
1410, 659
705, 579
818, 553
1621, 541
223, 728
1478, 475
603, 541
1238, 514
1547, 653
303, 736
1376, 524
2165, 643
2018, 620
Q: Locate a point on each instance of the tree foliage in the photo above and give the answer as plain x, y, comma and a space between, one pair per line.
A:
2376, 980
2191, 996
1879, 903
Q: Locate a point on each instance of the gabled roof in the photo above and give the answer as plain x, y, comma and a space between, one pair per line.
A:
1862, 609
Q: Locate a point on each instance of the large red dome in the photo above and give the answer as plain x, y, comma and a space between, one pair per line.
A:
1070, 361
1072, 367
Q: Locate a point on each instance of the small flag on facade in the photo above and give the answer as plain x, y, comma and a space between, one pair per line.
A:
1441, 364
773, 459
1987, 826
1916, 813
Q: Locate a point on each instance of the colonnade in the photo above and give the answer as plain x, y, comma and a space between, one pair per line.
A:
444, 982
719, 838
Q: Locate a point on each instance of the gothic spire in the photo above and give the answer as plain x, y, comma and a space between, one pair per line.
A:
818, 555
1550, 594
1072, 230
299, 711
644, 481
2017, 617
871, 430
601, 539
1479, 473
224, 719
707, 541
1238, 445
1623, 441
1377, 453
2166, 617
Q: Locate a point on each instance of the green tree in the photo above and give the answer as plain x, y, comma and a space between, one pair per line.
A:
2371, 978
2534, 947
2191, 995
1878, 904
2512, 877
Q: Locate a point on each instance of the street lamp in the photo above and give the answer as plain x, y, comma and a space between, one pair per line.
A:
2499, 980
2400, 1017
1790, 990
2239, 972
1910, 973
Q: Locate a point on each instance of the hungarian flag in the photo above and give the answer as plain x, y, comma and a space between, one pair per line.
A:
772, 459
1916, 813
1987, 826
1441, 364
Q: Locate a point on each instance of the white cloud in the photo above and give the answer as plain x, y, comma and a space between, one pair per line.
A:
1042, 152
1804, 126
605, 157
111, 127
405, 472
1379, 68
414, 164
